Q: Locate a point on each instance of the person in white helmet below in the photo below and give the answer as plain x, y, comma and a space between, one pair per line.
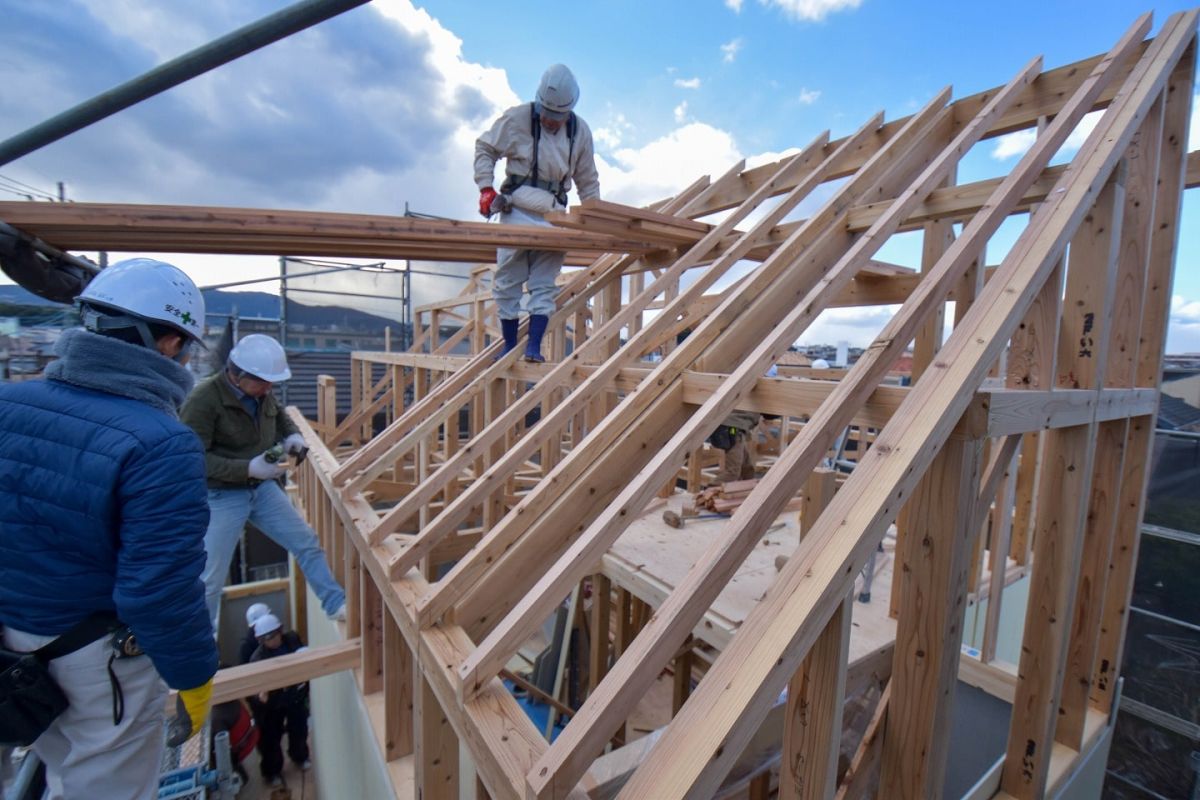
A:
102, 519
281, 710
546, 146
246, 438
250, 641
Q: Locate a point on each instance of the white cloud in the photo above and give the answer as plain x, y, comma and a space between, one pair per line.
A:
612, 133
734, 5
858, 326
1018, 142
1082, 131
261, 131
607, 137
1183, 329
729, 50
1013, 144
688, 83
681, 113
663, 167
811, 10
808, 96
1185, 312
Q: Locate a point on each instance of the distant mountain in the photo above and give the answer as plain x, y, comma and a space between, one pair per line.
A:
15, 295
248, 304
261, 304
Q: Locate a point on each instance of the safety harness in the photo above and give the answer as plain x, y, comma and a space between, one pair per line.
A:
556, 188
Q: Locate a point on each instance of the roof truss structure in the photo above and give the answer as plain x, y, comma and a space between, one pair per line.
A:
1038, 410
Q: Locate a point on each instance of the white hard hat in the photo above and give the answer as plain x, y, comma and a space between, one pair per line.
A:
150, 290
820, 363
262, 357
558, 92
267, 623
255, 611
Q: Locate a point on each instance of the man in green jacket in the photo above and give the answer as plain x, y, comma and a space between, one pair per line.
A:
734, 438
239, 422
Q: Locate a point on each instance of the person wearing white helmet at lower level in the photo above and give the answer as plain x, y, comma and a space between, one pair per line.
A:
280, 710
247, 438
102, 520
250, 641
545, 146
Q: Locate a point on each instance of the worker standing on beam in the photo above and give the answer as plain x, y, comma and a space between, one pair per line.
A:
246, 438
102, 519
545, 146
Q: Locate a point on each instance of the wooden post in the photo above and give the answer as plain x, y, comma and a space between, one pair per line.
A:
998, 554
682, 684
436, 748
299, 596
1062, 498
1119, 372
931, 566
813, 717
936, 240
861, 780
601, 611
357, 392
818, 491
397, 691
372, 638
760, 787
355, 576
327, 407
1140, 436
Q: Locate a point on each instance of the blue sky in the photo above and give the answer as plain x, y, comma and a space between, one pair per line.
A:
380, 106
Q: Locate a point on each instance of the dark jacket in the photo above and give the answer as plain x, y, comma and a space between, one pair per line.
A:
229, 435
247, 647
103, 505
288, 695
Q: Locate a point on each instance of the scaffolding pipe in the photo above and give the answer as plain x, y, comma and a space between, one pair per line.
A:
247, 39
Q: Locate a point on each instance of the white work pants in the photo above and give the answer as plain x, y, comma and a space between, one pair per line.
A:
85, 754
536, 269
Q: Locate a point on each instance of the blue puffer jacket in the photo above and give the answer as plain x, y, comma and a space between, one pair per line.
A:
103, 503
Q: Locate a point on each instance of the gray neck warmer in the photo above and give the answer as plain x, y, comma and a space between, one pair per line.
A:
109, 365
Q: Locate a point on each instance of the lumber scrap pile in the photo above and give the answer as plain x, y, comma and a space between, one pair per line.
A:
199, 229
723, 498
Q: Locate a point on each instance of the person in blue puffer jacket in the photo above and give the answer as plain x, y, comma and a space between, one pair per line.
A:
103, 508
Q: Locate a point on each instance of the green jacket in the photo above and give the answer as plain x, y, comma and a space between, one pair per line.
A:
228, 432
744, 421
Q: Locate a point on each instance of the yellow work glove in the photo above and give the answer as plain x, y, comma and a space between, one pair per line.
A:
191, 709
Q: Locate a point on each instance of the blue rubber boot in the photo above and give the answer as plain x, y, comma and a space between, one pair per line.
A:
537, 329
508, 327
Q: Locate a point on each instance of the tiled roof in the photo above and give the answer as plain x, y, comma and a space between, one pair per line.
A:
1177, 415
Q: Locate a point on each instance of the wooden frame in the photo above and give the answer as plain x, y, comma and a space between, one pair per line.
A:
497, 491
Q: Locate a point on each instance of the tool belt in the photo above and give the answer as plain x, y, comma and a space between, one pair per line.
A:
724, 437
30, 699
556, 188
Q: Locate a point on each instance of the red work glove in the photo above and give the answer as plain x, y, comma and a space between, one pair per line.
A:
486, 196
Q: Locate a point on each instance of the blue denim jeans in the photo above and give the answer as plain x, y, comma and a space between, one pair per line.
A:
267, 506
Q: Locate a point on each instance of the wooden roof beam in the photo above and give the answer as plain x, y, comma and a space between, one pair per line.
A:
784, 626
